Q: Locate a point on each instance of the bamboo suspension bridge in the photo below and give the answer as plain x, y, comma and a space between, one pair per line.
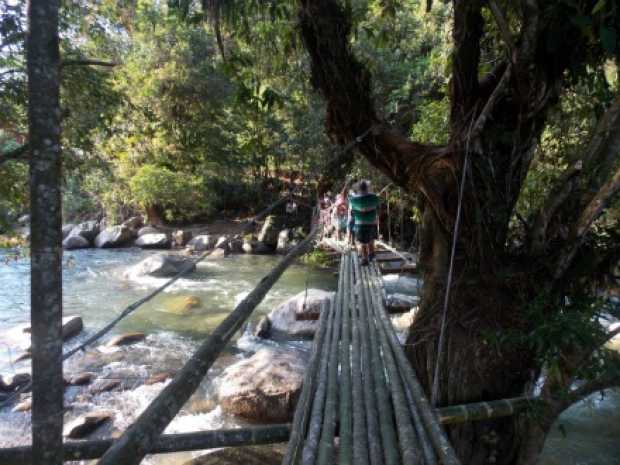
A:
361, 402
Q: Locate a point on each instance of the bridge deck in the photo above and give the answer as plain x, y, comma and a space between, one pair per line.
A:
361, 389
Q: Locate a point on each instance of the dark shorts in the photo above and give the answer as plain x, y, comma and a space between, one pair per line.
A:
365, 233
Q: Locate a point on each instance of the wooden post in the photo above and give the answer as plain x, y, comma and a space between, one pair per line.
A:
44, 117
135, 443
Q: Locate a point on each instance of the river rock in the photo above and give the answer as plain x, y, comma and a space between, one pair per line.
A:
180, 304
15, 382
219, 253
86, 424
23, 406
202, 242
401, 284
88, 230
72, 325
135, 222
114, 236
25, 356
401, 302
125, 339
246, 455
153, 241
181, 237
158, 378
269, 232
283, 241
160, 265
104, 385
73, 242
148, 230
264, 387
66, 230
81, 379
295, 318
23, 220
236, 245
248, 246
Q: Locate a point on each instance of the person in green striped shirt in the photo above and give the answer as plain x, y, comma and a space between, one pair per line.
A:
365, 213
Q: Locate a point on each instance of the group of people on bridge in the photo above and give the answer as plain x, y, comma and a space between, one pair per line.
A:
353, 216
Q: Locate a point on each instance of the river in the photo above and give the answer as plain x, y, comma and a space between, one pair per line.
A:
95, 288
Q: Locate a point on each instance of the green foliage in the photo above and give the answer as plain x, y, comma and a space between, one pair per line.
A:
318, 258
180, 194
433, 124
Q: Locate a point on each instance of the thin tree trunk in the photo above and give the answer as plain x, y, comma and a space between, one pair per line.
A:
46, 237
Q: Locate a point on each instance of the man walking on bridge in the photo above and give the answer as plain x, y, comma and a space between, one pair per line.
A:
364, 209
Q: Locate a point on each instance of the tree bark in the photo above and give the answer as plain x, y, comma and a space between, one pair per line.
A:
44, 118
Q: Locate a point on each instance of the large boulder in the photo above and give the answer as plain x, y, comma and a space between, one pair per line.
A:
247, 455
269, 232
66, 230
296, 318
88, 230
114, 236
202, 242
86, 424
181, 237
148, 230
135, 223
179, 304
126, 339
265, 387
283, 241
160, 266
401, 284
73, 242
236, 245
153, 241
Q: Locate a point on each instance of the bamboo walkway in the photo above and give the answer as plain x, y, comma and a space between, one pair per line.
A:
361, 388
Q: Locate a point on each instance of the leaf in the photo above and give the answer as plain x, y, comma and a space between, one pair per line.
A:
608, 38
598, 7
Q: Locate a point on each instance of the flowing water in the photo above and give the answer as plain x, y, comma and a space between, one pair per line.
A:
95, 288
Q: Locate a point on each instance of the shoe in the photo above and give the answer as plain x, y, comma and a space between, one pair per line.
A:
365, 262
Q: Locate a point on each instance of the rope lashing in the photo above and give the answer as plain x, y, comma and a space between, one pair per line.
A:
455, 235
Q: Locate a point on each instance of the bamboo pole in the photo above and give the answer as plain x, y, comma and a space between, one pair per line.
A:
133, 445
326, 444
199, 440
44, 131
345, 420
316, 419
304, 404
408, 441
437, 435
386, 419
360, 440
375, 446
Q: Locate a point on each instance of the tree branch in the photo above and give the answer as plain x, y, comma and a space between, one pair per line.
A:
466, 34
558, 195
589, 215
20, 153
346, 86
503, 27
599, 384
88, 62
